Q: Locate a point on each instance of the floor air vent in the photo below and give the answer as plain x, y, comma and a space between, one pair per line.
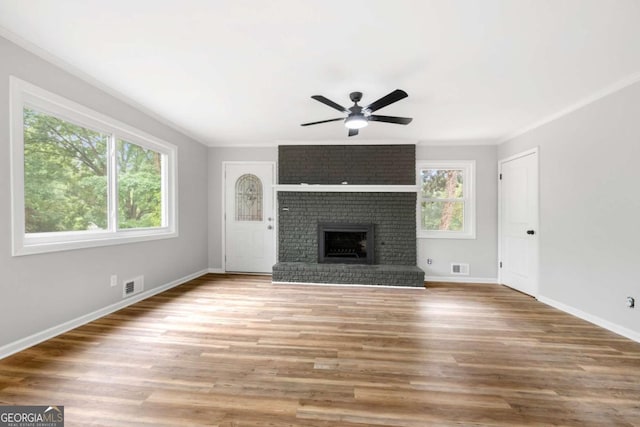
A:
460, 269
133, 286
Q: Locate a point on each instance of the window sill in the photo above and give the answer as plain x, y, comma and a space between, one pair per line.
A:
447, 236
37, 246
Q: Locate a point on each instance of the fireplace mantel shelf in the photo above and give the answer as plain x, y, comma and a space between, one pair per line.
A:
346, 188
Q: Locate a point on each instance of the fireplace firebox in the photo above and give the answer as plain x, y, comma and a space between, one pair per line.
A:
345, 243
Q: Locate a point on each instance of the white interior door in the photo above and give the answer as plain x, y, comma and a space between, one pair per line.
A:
519, 222
249, 217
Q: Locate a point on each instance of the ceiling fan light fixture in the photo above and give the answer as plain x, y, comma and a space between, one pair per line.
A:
356, 121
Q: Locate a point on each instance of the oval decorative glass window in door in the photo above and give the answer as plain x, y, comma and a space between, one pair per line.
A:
248, 198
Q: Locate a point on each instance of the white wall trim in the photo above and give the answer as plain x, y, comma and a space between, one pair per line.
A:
346, 188
38, 337
390, 141
71, 69
602, 93
394, 141
613, 327
237, 273
463, 279
533, 150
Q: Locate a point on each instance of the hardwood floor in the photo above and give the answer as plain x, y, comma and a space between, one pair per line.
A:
239, 351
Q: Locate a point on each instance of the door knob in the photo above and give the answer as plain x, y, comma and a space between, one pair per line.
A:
531, 232
269, 227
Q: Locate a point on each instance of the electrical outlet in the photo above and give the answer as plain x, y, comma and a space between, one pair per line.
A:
114, 280
631, 302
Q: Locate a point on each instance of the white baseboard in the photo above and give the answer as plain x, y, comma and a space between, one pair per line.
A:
223, 271
613, 327
462, 279
24, 343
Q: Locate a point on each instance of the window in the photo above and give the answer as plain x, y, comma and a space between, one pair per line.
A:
248, 198
446, 199
81, 179
139, 186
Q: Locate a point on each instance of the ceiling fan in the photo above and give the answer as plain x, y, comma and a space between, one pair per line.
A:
359, 117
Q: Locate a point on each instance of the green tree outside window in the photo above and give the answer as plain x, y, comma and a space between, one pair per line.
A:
66, 178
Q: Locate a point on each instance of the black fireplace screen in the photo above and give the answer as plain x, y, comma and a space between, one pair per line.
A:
345, 243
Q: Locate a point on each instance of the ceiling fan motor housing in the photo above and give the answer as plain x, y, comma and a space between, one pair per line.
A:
355, 96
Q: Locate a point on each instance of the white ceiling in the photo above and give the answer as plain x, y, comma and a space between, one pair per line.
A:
240, 72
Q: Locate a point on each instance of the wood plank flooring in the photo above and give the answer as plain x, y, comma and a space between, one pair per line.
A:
238, 351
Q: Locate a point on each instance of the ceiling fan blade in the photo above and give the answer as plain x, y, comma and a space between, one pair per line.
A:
394, 96
390, 119
353, 132
330, 103
322, 121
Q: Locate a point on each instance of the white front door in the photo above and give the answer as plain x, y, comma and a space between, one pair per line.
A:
519, 222
249, 217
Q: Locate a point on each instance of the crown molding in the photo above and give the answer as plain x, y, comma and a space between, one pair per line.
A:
76, 72
73, 70
602, 93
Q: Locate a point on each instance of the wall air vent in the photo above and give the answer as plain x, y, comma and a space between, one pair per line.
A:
460, 269
129, 288
133, 286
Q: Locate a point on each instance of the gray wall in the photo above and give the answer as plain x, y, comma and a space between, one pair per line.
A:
218, 155
38, 292
480, 253
590, 206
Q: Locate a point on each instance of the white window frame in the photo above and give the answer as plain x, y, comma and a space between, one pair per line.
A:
24, 94
468, 168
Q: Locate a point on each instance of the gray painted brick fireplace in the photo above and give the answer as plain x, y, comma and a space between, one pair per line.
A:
393, 214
